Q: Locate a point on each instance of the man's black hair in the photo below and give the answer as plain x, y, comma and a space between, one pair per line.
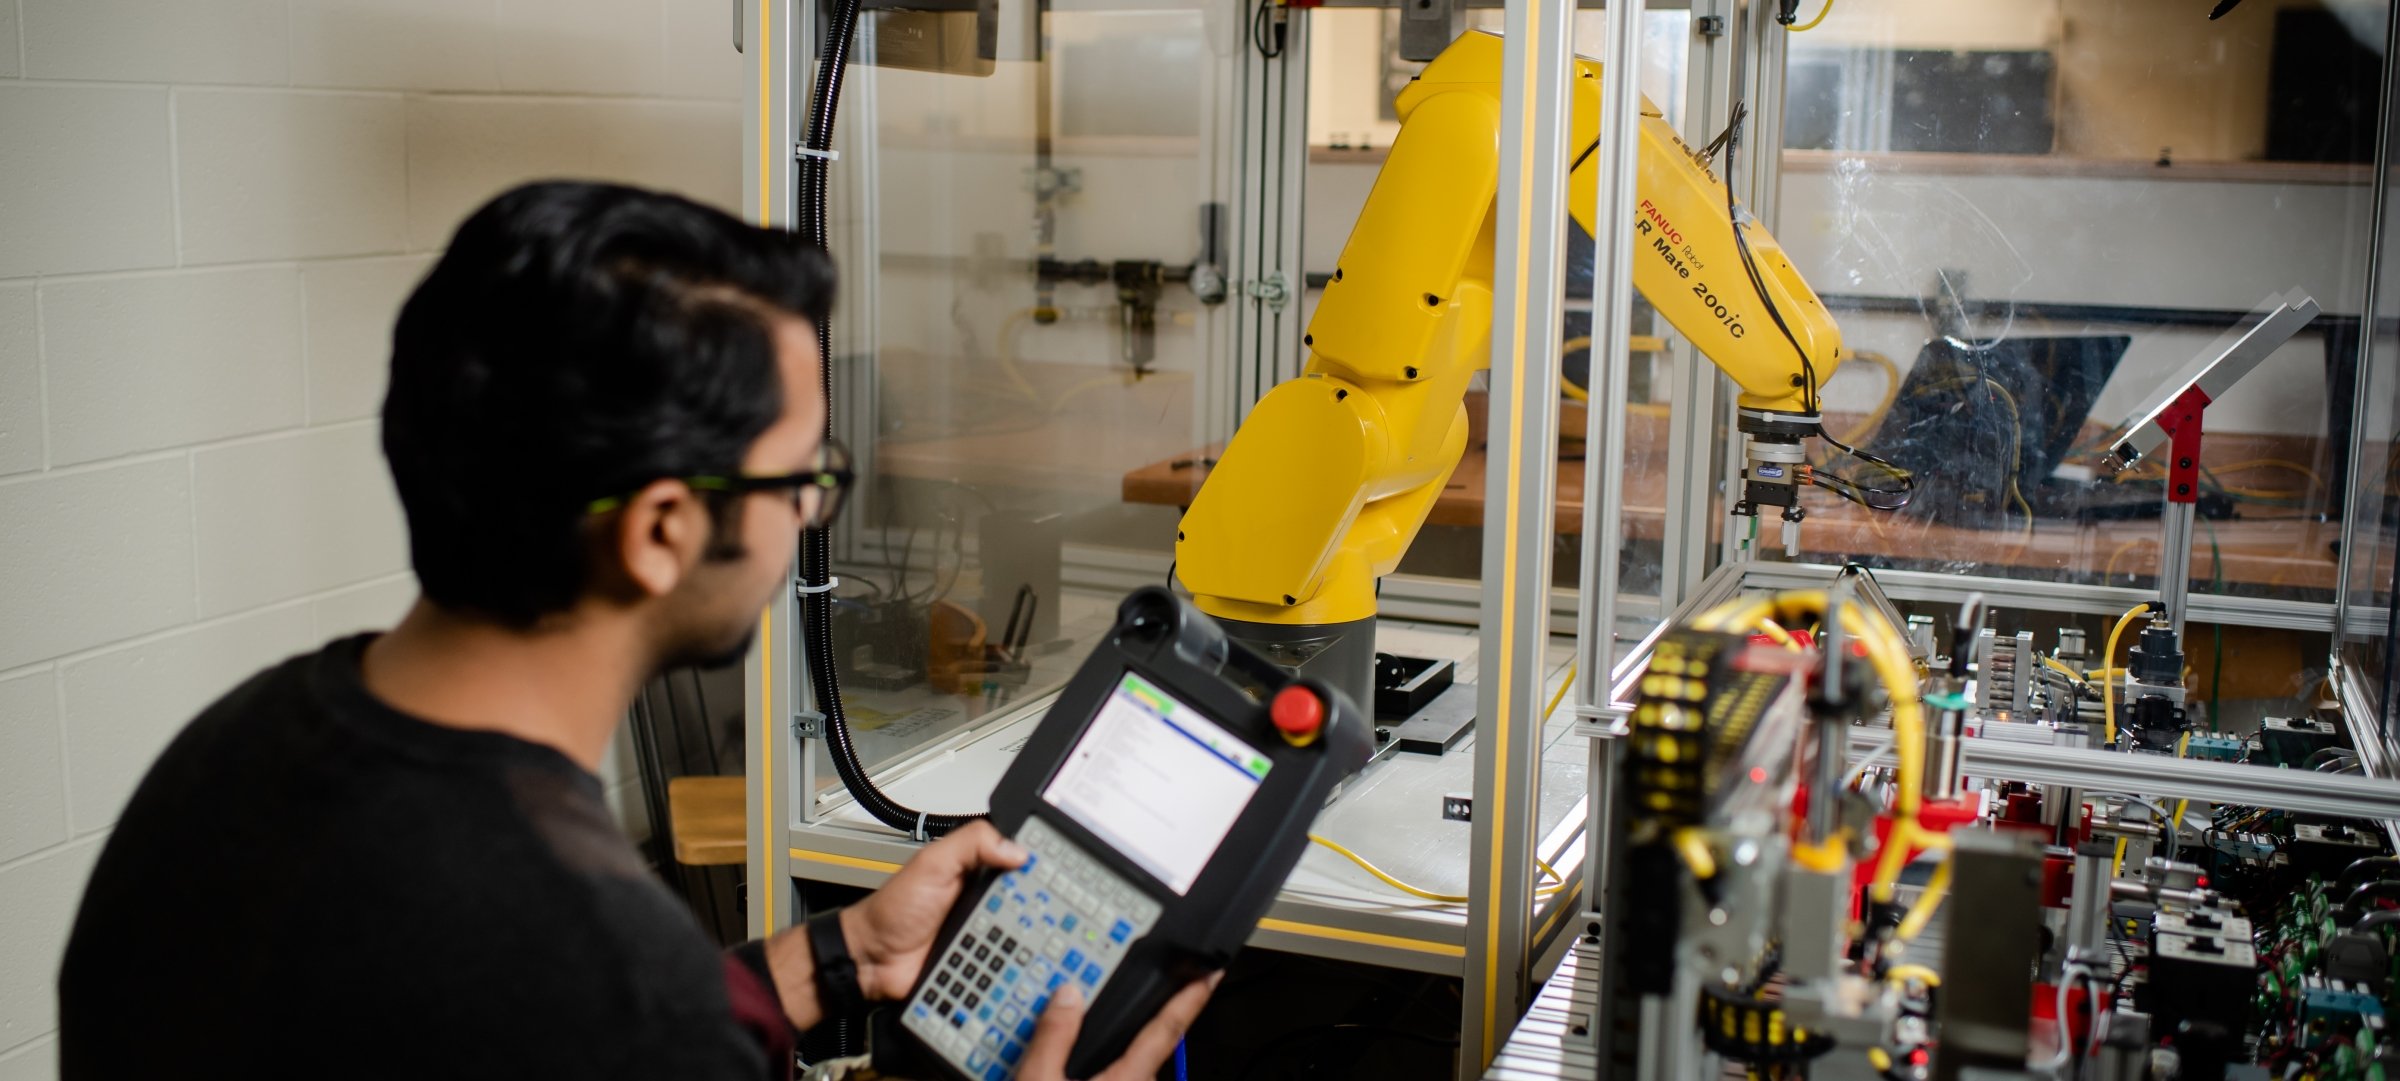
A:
578, 341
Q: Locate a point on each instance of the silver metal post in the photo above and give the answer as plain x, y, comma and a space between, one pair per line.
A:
773, 677
1691, 425
1521, 479
1267, 169
2175, 561
1611, 352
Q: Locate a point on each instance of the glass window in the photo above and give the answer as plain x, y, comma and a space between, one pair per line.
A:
1017, 332
2025, 217
1355, 72
2374, 491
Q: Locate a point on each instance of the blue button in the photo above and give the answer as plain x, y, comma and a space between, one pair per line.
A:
1039, 1004
1091, 972
920, 1011
975, 1060
1009, 974
1008, 882
1057, 980
992, 905
1026, 922
1010, 1053
1019, 896
1042, 895
1025, 1029
1029, 861
1067, 924
1121, 931
1073, 961
997, 1072
1047, 918
984, 1013
959, 1019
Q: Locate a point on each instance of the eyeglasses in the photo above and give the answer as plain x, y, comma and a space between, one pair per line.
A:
817, 494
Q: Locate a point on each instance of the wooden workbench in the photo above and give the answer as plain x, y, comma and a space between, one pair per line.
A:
2298, 556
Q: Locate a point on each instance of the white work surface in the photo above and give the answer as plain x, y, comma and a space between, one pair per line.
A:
1390, 814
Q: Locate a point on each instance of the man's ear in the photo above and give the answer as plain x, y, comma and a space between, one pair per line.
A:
659, 536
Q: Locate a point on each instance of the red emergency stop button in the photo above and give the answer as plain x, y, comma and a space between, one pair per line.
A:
1299, 714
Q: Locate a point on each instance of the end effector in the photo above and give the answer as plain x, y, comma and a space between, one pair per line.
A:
1776, 467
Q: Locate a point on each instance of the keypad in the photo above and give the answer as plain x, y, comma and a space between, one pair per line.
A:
1063, 917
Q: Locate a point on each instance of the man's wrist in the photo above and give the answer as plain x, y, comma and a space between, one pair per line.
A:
838, 990
870, 967
794, 964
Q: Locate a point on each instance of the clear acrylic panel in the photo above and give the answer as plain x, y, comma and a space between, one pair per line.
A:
1019, 329
2369, 639
2024, 217
1355, 72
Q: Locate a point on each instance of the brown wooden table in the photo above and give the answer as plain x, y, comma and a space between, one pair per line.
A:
2298, 555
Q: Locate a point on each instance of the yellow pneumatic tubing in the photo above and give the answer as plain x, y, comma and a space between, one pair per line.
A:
1889, 658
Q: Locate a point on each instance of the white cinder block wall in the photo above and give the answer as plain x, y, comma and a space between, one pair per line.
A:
209, 213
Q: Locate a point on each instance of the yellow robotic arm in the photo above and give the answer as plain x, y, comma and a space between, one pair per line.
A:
1330, 477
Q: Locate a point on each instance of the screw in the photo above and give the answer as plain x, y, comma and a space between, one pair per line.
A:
1410, 371
1308, 339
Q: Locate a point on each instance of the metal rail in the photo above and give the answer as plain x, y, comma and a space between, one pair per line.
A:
2337, 794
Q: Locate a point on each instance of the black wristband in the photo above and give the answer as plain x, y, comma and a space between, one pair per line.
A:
838, 993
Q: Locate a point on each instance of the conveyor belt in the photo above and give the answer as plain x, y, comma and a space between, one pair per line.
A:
1545, 1044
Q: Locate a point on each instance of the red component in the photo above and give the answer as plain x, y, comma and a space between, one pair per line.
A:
2181, 419
1298, 713
1939, 816
2058, 880
1945, 814
2079, 1010
2022, 807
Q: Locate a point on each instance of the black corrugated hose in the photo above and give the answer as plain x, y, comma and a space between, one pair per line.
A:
816, 549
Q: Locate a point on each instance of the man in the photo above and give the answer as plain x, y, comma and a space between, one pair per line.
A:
390, 858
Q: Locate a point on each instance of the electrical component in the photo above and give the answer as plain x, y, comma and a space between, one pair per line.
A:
2360, 959
2200, 980
2154, 689
2003, 672
2324, 849
2289, 741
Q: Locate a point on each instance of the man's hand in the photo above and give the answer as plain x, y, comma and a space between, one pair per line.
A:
1054, 1035
891, 930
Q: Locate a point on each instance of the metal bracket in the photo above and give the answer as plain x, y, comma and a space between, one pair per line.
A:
1051, 180
1429, 26
1274, 289
808, 724
1709, 26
